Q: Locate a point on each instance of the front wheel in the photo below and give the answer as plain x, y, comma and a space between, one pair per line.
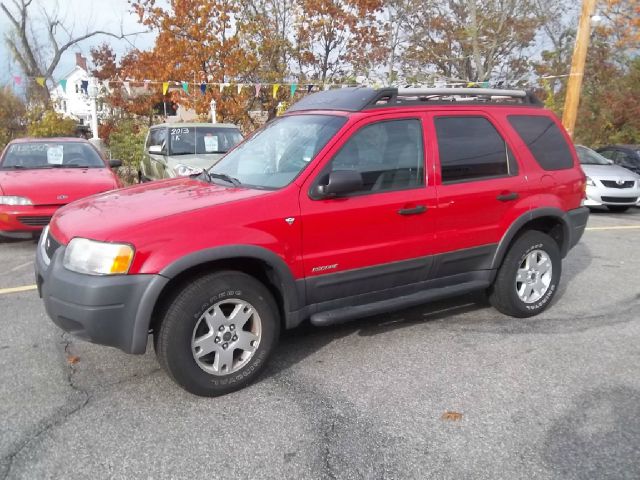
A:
528, 278
217, 333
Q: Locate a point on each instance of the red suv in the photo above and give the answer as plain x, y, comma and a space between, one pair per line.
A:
357, 201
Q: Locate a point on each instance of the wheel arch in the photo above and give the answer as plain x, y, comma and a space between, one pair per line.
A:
551, 221
262, 264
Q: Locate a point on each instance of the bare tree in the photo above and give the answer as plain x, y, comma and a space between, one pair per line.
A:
38, 57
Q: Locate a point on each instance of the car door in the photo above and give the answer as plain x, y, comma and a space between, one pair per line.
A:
381, 235
480, 189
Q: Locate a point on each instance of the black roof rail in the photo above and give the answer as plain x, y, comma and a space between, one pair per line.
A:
353, 99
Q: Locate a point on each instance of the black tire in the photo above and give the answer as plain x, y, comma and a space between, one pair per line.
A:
173, 339
618, 208
503, 294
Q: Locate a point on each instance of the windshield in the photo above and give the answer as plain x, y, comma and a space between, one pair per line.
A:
589, 157
43, 154
202, 140
278, 152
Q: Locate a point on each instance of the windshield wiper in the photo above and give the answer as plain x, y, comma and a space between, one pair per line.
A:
223, 176
14, 167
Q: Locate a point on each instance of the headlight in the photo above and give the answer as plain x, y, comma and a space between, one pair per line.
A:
12, 200
186, 170
97, 258
590, 182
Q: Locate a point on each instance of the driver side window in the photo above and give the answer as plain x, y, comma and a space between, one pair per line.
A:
389, 156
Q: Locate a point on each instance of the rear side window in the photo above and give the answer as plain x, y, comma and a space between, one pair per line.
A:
472, 149
544, 140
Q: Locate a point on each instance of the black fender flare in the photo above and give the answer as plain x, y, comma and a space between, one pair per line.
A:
521, 221
293, 293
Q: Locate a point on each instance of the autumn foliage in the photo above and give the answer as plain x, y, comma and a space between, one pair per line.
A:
235, 51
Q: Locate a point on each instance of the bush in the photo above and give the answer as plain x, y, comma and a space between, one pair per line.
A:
50, 124
12, 117
126, 143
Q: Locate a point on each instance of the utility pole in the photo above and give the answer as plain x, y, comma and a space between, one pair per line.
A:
574, 85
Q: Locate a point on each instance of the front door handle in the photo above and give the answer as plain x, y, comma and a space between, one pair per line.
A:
413, 211
507, 196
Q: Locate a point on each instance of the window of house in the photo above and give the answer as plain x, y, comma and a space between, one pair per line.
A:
471, 148
544, 140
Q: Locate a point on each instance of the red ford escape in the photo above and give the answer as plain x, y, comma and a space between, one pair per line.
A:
39, 175
357, 201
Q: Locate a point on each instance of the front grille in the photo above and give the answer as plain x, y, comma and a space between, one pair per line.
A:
620, 199
615, 184
50, 245
33, 221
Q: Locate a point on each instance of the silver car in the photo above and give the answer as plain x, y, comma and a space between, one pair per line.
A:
607, 184
181, 149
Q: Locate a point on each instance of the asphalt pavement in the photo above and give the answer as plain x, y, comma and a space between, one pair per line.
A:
451, 390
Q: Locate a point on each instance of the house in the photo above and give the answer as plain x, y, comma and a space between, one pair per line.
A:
72, 100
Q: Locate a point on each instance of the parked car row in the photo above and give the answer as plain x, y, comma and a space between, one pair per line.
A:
38, 176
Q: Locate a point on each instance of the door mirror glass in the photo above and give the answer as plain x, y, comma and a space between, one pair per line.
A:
341, 182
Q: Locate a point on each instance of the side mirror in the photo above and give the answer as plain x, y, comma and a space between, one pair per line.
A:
341, 182
113, 163
155, 149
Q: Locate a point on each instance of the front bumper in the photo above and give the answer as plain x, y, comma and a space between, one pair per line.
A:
601, 196
108, 310
25, 218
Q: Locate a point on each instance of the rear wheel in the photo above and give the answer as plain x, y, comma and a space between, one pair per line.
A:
217, 334
618, 208
528, 278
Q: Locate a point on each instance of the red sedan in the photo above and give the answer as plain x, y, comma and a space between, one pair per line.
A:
39, 175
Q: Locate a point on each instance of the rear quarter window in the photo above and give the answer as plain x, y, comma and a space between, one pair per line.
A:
544, 140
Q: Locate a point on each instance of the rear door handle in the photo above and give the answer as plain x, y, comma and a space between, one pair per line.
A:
413, 211
507, 197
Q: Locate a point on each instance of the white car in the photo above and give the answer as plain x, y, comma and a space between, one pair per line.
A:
608, 185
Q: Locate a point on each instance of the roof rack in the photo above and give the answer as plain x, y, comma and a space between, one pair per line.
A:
362, 98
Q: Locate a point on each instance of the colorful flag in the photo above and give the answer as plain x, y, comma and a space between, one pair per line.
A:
63, 84
17, 79
294, 86
165, 87
309, 88
240, 85
40, 81
203, 88
258, 87
276, 86
185, 87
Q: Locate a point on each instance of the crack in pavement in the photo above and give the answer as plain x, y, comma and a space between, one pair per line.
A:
55, 420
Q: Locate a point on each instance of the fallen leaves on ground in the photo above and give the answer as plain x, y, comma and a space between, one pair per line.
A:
451, 416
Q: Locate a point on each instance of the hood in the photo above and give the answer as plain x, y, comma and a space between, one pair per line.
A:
56, 186
196, 161
609, 172
111, 215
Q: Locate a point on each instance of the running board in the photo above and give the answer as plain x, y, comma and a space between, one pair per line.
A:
346, 314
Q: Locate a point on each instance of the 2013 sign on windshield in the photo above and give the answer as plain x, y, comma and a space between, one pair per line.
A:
176, 132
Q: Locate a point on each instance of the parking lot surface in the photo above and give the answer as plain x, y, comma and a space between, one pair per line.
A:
450, 390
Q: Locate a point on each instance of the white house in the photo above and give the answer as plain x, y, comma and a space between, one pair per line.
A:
72, 100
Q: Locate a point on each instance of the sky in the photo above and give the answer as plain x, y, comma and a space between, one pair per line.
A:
83, 15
